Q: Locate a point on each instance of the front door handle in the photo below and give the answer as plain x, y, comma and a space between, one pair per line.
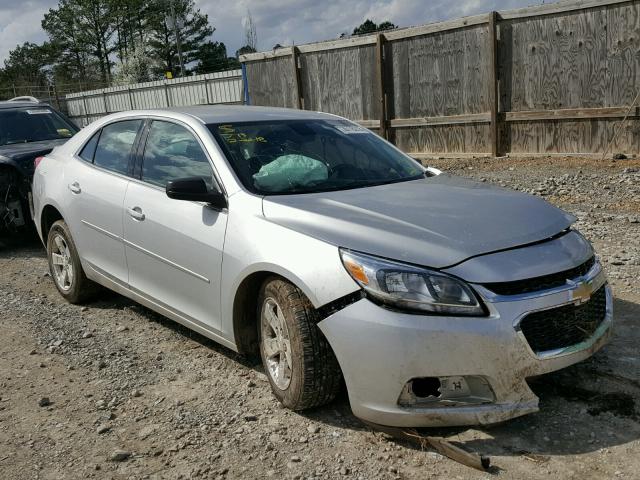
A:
75, 187
136, 212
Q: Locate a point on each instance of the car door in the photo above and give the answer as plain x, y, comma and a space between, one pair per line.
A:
174, 247
96, 184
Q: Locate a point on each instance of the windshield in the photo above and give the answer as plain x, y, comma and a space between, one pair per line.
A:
32, 124
304, 156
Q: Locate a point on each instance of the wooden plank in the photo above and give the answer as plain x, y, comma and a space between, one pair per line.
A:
432, 156
554, 62
443, 120
476, 70
380, 73
399, 86
493, 82
368, 123
296, 77
559, 7
568, 136
555, 155
357, 41
438, 27
340, 81
622, 53
371, 108
457, 138
571, 113
252, 57
271, 82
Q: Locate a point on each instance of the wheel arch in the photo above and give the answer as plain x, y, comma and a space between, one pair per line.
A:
7, 163
245, 305
49, 215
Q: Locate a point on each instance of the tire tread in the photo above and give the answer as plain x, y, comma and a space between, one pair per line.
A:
322, 377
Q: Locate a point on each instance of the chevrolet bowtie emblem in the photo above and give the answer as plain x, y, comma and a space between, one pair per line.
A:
582, 292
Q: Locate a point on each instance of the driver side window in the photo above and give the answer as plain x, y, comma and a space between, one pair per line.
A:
172, 152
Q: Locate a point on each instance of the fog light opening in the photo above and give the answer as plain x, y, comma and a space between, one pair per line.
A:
426, 387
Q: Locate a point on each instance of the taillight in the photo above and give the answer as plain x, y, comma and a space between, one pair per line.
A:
37, 161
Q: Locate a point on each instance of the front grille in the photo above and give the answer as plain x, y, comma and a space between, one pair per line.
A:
565, 326
540, 283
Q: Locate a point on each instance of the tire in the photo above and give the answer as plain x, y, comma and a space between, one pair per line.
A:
62, 254
299, 362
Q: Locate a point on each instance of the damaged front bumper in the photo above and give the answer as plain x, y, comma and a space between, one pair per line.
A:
407, 370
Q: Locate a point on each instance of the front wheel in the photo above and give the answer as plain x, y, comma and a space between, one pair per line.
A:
65, 267
300, 364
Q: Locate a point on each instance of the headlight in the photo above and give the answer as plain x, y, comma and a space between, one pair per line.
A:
410, 287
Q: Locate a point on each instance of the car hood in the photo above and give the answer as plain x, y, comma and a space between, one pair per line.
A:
23, 154
437, 222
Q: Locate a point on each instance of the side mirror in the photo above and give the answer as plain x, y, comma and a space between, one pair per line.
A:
194, 189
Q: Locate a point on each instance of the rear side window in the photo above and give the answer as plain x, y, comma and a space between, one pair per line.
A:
114, 145
90, 148
173, 152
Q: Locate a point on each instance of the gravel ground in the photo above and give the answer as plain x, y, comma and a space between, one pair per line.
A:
112, 390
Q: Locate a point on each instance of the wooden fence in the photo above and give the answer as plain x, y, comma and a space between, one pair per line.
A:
555, 78
207, 89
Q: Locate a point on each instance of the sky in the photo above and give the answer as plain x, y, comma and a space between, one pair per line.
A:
282, 22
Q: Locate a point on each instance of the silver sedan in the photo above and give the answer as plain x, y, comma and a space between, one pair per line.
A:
309, 240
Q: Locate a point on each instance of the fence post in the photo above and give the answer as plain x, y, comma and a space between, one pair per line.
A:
104, 101
55, 93
166, 93
493, 84
380, 72
206, 90
246, 100
86, 113
14, 89
296, 76
130, 98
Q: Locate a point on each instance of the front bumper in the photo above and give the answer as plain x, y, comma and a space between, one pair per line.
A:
380, 350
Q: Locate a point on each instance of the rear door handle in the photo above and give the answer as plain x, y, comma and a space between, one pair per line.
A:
74, 187
136, 212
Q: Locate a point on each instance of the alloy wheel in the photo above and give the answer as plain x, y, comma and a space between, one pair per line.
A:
61, 263
276, 344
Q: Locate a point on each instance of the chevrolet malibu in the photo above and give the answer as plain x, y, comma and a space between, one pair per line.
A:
309, 240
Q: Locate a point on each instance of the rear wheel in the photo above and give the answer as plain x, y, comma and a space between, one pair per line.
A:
65, 267
300, 364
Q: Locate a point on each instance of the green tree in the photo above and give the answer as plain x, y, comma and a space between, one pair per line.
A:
130, 26
71, 53
83, 29
164, 18
213, 58
27, 65
244, 50
368, 26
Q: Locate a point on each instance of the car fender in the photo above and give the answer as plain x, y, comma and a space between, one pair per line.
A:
255, 244
4, 161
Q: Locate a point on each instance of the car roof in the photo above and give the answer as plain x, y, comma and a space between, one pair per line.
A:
240, 113
7, 104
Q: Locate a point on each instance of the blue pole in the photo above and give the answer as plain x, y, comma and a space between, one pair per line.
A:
245, 84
